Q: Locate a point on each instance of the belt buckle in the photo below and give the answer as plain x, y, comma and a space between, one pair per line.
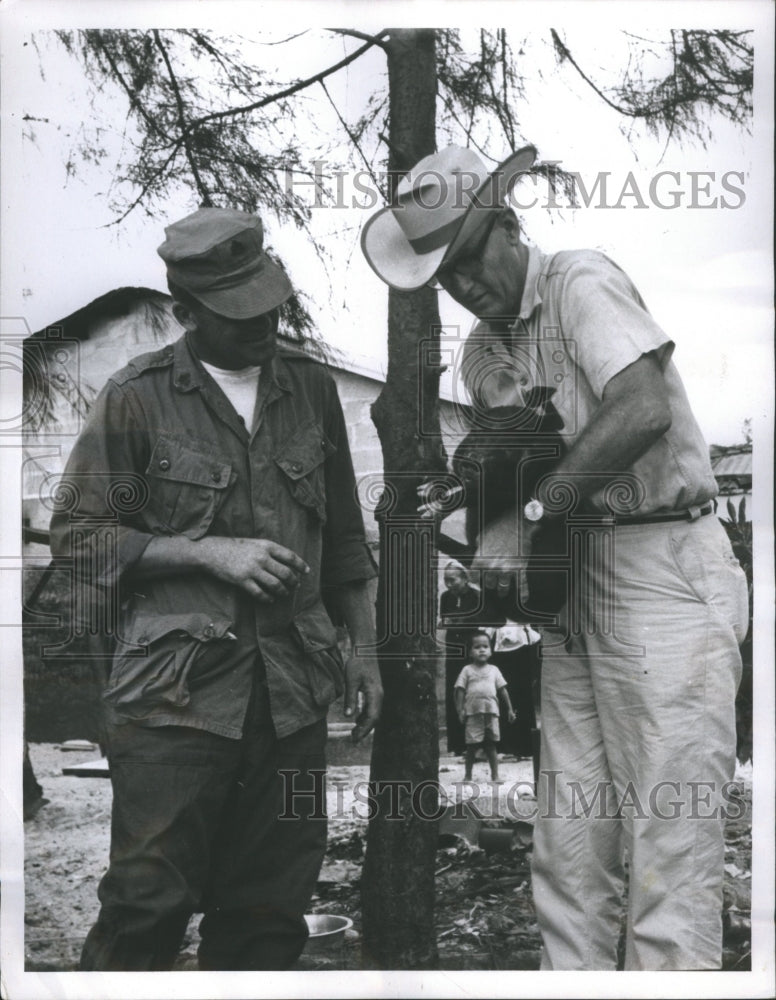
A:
693, 513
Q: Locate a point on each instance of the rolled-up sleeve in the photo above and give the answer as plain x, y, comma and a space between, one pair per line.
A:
346, 557
605, 316
99, 499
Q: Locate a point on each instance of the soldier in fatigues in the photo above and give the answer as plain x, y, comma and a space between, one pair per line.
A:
217, 480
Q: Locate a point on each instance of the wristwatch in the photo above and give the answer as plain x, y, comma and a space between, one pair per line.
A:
533, 510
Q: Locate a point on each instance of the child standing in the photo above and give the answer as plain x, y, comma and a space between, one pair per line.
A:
478, 690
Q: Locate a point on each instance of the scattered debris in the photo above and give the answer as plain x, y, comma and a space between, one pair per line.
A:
91, 769
335, 872
484, 916
461, 819
736, 927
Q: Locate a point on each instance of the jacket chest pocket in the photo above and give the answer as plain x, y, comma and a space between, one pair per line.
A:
301, 459
187, 486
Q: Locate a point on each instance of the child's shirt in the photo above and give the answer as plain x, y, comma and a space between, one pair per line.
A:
482, 685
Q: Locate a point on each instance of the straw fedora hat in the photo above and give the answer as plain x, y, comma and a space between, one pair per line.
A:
440, 205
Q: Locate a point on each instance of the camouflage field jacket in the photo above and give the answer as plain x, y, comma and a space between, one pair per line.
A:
164, 453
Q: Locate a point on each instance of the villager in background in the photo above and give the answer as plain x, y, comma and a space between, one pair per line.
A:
516, 652
480, 696
459, 604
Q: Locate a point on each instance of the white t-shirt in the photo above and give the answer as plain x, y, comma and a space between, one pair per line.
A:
240, 388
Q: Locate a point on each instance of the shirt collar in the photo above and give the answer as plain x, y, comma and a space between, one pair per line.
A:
531, 297
189, 374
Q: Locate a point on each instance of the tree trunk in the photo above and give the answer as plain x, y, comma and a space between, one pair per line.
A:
398, 876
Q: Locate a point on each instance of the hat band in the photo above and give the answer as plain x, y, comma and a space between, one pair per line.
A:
436, 238
207, 283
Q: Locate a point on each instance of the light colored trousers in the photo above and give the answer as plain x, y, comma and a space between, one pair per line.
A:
638, 747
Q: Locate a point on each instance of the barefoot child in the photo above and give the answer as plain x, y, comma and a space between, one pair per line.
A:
478, 690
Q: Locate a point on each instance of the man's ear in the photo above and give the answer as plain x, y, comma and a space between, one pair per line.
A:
184, 316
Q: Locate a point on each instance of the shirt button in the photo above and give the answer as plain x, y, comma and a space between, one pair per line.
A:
296, 467
216, 476
209, 631
164, 465
143, 639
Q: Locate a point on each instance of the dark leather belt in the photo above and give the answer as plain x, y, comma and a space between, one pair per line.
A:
691, 514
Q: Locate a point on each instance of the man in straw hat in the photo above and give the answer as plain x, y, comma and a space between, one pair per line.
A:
216, 477
639, 680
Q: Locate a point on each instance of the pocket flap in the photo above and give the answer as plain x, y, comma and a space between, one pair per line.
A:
182, 464
144, 628
314, 628
304, 451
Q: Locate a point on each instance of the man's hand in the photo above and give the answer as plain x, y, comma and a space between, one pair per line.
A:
502, 552
363, 693
511, 716
267, 570
438, 499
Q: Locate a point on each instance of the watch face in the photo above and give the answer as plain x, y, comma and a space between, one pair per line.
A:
533, 510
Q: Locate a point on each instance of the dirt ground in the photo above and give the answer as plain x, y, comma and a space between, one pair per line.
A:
484, 914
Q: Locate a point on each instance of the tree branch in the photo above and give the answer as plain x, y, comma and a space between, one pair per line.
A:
504, 83
449, 106
134, 101
293, 89
501, 105
290, 38
698, 66
666, 107
566, 54
375, 39
353, 138
236, 74
148, 186
671, 124
203, 192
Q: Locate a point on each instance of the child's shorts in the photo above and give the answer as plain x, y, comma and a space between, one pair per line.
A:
480, 727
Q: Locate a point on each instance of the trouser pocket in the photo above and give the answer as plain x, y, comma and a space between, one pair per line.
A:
705, 561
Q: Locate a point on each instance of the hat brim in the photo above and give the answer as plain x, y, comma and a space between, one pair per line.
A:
259, 294
388, 250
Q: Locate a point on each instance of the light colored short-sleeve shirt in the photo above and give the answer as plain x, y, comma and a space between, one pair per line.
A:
481, 686
581, 322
